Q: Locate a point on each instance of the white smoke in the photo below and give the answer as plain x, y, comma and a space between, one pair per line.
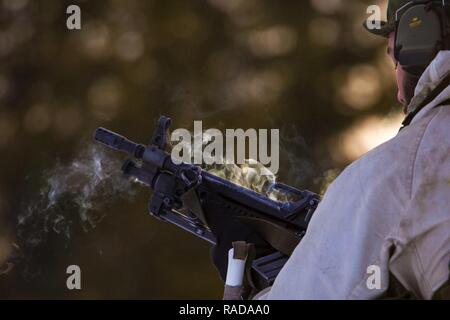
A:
74, 195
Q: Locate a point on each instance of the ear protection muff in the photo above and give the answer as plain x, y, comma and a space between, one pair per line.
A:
422, 29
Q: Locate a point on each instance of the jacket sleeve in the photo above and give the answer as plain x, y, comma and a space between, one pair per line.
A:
422, 255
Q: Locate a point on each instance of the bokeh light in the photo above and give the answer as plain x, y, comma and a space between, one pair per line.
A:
362, 87
305, 65
365, 135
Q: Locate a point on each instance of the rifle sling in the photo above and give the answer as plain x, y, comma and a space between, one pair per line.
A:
431, 96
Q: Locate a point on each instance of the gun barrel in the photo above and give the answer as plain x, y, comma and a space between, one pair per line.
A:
119, 143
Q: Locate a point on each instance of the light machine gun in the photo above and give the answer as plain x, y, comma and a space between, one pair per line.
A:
189, 197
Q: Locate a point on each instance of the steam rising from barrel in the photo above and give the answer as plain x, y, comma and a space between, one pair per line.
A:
73, 197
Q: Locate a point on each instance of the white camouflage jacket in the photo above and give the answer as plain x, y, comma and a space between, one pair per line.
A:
390, 209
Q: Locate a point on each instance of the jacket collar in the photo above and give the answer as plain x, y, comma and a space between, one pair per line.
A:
430, 79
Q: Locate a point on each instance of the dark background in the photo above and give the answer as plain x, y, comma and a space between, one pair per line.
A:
306, 67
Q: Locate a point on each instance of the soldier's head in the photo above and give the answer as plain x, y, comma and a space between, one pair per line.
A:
416, 31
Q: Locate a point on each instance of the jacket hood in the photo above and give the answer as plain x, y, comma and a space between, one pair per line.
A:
430, 79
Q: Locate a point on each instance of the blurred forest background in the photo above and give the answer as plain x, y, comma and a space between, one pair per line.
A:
306, 67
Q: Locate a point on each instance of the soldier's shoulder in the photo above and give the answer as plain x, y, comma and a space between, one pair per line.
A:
392, 164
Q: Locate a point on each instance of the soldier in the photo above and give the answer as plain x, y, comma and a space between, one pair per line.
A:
382, 229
